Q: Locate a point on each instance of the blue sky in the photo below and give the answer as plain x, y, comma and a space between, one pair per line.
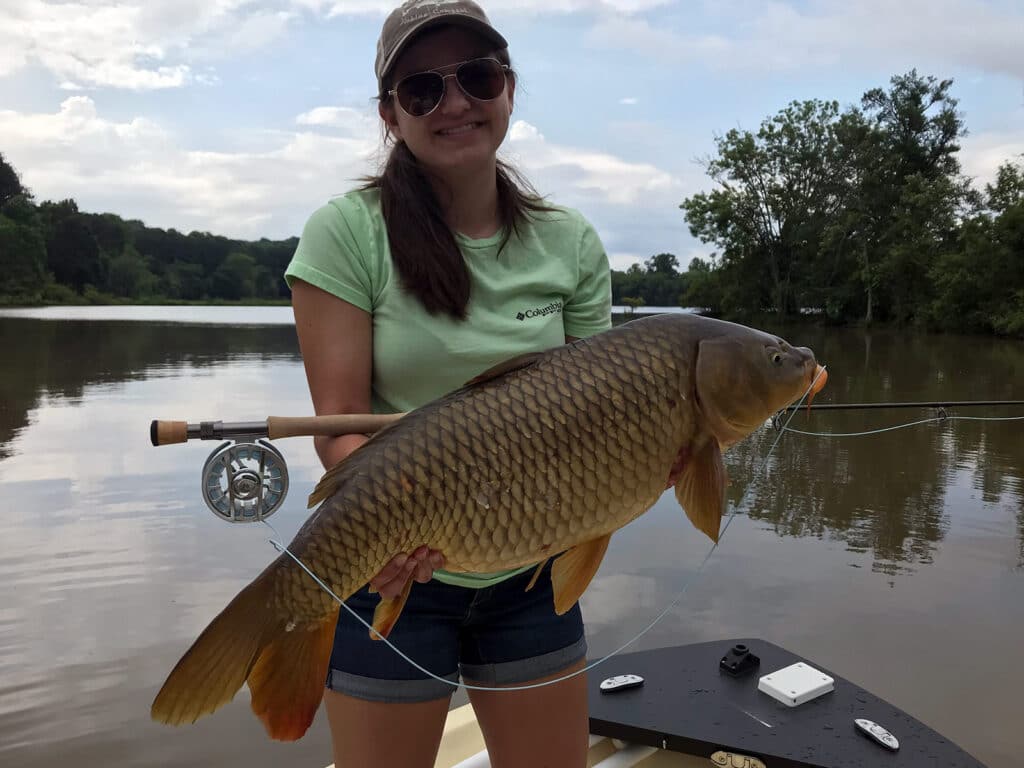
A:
240, 117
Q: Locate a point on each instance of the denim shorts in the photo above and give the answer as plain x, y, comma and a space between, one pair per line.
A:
498, 635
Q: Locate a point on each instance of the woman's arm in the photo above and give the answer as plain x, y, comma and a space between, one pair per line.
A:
336, 343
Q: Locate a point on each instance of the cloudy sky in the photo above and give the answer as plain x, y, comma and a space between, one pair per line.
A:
239, 117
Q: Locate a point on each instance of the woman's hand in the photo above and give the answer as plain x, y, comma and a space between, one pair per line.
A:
419, 565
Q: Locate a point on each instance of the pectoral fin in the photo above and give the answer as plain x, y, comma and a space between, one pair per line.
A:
701, 489
387, 611
573, 570
536, 574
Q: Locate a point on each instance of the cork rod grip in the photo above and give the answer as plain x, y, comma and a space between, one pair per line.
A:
168, 432
333, 425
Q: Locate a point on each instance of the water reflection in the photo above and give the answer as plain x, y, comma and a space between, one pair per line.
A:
883, 493
57, 360
896, 493
111, 562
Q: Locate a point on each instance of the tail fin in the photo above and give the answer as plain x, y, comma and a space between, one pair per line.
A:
284, 663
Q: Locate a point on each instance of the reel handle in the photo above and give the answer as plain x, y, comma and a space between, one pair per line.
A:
330, 425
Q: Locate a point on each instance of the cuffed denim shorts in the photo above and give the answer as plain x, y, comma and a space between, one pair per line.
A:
499, 635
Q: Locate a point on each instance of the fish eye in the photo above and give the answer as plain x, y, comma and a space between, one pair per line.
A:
777, 357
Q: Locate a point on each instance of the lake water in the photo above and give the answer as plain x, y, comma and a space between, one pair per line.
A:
895, 559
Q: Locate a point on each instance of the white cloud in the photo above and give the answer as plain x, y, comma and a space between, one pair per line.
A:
139, 170
587, 172
781, 36
153, 44
140, 46
493, 8
251, 32
633, 205
622, 261
87, 42
346, 118
156, 44
628, 101
981, 154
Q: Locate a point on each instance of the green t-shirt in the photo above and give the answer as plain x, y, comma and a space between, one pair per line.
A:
549, 282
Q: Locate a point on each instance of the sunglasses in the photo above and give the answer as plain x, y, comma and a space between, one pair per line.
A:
420, 94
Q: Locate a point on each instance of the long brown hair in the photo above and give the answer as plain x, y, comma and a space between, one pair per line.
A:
423, 247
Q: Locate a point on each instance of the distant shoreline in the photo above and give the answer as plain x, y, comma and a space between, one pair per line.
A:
616, 310
279, 313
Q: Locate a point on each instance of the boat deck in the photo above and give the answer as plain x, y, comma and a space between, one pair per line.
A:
690, 714
688, 705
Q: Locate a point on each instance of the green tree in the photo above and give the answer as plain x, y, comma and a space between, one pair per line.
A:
1005, 262
22, 260
633, 303
702, 288
911, 192
777, 189
72, 253
626, 283
10, 183
22, 249
235, 278
129, 277
1008, 191
110, 232
183, 280
663, 264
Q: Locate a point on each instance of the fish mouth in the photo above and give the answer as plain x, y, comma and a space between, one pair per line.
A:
818, 379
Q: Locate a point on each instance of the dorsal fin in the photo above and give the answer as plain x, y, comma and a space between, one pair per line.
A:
330, 479
512, 364
328, 483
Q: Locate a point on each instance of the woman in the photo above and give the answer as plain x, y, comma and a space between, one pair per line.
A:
403, 290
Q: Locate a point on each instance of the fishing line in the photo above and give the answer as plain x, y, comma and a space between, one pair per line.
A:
902, 426
456, 684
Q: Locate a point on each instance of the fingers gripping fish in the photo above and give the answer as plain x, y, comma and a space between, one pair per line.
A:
544, 456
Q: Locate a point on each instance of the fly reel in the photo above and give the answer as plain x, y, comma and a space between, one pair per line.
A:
244, 482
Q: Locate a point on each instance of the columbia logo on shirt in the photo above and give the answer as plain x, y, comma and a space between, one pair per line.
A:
550, 309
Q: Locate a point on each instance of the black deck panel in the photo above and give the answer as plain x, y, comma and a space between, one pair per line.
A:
687, 705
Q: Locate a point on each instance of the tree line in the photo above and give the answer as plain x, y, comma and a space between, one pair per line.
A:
53, 253
854, 215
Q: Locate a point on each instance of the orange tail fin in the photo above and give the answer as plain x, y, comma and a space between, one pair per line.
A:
285, 665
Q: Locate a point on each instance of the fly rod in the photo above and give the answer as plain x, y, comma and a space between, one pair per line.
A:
930, 404
277, 427
245, 479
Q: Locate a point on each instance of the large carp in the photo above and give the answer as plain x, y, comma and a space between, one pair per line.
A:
546, 455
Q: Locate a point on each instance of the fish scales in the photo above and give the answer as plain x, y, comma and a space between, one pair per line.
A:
546, 455
465, 429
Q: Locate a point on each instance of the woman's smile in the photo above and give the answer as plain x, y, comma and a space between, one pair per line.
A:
459, 130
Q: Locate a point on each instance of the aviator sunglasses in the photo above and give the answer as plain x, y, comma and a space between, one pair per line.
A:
482, 79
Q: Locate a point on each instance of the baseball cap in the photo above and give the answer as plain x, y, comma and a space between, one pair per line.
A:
413, 16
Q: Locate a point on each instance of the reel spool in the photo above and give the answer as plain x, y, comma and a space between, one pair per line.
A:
244, 482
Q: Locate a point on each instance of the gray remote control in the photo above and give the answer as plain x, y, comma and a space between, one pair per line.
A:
877, 733
621, 683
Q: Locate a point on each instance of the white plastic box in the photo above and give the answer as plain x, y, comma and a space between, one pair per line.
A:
796, 684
